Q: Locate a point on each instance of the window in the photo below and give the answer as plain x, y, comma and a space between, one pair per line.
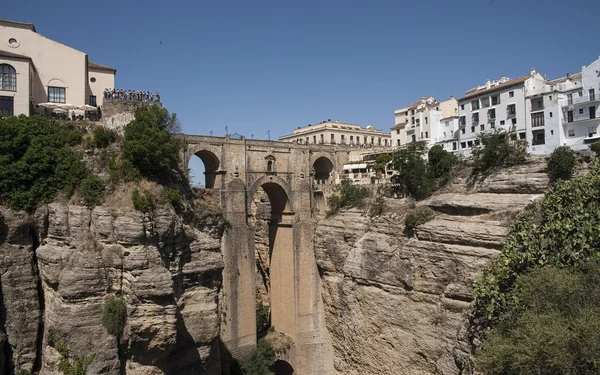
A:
412, 112
581, 111
6, 106
539, 137
343, 141
12, 42
314, 139
477, 142
398, 142
462, 120
592, 131
351, 140
549, 97
418, 121
473, 129
425, 120
491, 114
93, 100
571, 132
421, 134
412, 120
514, 121
482, 127
270, 166
580, 93
495, 100
592, 95
397, 131
537, 104
493, 125
462, 131
93, 79
569, 99
462, 107
511, 94
537, 119
501, 122
570, 116
474, 105
592, 112
454, 146
372, 140
321, 141
485, 102
333, 138
8, 78
426, 134
57, 95
511, 110
522, 135
550, 114
379, 141
470, 144
463, 145
413, 138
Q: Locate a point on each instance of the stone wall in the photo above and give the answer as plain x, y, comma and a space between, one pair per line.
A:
116, 114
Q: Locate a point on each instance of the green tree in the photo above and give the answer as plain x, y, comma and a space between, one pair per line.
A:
561, 164
440, 163
103, 137
596, 148
260, 360
382, 161
411, 169
350, 195
148, 144
497, 149
551, 325
37, 160
114, 314
92, 189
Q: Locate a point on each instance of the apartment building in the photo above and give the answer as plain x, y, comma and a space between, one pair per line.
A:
339, 133
35, 69
422, 121
498, 104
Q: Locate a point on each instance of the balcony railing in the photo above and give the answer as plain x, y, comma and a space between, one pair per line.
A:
583, 99
511, 113
535, 108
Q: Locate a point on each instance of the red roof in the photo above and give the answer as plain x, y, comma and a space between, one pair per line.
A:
476, 92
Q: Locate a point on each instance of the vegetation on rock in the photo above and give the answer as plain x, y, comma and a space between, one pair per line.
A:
382, 161
350, 195
102, 137
175, 198
92, 190
37, 161
142, 202
497, 149
440, 163
596, 148
420, 215
114, 314
561, 164
259, 361
78, 365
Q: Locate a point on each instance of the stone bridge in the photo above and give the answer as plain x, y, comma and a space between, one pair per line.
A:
296, 179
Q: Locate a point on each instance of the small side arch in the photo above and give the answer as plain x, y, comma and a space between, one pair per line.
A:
323, 168
281, 367
268, 182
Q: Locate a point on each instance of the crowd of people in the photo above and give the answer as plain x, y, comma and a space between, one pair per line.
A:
132, 95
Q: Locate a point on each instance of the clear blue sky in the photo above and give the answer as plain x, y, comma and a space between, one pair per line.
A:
275, 65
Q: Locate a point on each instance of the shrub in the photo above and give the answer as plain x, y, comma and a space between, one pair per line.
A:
561, 164
377, 206
596, 148
149, 146
142, 202
350, 196
411, 169
497, 149
551, 326
122, 171
416, 217
114, 314
174, 196
103, 137
382, 161
561, 230
36, 161
440, 163
92, 189
260, 360
78, 366
262, 316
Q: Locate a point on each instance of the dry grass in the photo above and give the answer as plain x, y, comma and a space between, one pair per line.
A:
120, 197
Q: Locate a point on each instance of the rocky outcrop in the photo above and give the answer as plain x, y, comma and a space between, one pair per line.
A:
396, 305
66, 261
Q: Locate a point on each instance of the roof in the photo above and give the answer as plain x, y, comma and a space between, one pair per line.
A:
94, 65
575, 76
22, 25
14, 55
416, 104
476, 92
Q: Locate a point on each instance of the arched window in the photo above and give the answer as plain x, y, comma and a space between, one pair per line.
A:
8, 78
270, 166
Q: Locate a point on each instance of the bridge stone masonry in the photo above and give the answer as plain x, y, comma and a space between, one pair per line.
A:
296, 178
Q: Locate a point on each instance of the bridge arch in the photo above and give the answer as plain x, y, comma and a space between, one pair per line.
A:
282, 367
211, 166
323, 168
270, 181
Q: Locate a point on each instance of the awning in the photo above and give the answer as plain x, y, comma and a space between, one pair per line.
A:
349, 167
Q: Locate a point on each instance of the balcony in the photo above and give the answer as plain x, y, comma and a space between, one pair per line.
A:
510, 113
491, 118
583, 99
536, 108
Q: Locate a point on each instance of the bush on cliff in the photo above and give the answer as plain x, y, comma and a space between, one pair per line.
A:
440, 163
102, 137
350, 195
596, 148
561, 164
114, 314
142, 202
411, 171
260, 360
77, 365
498, 149
416, 217
37, 160
92, 190
149, 146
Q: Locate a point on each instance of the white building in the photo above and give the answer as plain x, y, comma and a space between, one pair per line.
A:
422, 121
339, 133
497, 105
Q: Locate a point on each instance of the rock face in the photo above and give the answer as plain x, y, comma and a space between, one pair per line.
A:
61, 265
396, 305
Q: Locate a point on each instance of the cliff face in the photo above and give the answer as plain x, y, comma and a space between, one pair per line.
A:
60, 266
397, 304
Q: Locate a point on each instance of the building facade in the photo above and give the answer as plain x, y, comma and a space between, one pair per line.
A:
339, 133
35, 69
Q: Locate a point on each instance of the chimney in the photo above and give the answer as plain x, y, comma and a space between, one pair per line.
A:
488, 84
532, 71
569, 75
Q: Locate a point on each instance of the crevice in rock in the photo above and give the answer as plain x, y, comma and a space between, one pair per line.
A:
37, 364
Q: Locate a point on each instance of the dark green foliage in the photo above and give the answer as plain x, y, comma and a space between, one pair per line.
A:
596, 148
122, 171
142, 202
440, 163
382, 161
377, 206
551, 325
174, 196
103, 137
416, 217
77, 366
561, 164
411, 169
114, 314
22, 372
92, 190
149, 146
262, 316
498, 149
36, 161
260, 360
562, 230
350, 195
